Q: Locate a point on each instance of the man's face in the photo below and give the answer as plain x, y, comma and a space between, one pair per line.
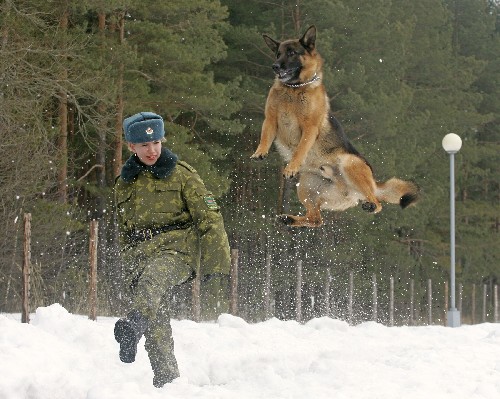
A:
148, 152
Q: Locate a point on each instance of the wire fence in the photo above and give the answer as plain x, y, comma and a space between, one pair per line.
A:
382, 300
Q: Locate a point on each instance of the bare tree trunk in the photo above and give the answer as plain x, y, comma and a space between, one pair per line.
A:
296, 17
5, 31
118, 125
119, 104
62, 144
63, 124
101, 149
107, 270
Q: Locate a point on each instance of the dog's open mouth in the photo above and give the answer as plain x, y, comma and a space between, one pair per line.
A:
285, 75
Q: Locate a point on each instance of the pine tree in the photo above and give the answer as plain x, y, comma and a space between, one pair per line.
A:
179, 44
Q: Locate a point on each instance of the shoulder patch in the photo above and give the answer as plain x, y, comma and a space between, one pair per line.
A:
187, 166
211, 203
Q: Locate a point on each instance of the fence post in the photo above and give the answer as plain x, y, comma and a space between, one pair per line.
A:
412, 299
351, 297
446, 303
484, 302
25, 314
495, 301
234, 282
267, 288
93, 241
429, 300
391, 302
298, 292
327, 292
374, 298
195, 295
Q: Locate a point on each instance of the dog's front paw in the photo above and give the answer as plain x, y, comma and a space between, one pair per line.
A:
290, 172
258, 156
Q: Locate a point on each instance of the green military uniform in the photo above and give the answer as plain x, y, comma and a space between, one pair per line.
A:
170, 229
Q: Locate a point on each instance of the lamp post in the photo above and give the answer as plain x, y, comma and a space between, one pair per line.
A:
452, 144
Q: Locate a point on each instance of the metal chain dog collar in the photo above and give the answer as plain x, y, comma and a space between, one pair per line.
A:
314, 79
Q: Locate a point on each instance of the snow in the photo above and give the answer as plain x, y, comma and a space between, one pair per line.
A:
61, 355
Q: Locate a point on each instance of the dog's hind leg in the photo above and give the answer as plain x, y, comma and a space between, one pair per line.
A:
310, 198
312, 218
359, 175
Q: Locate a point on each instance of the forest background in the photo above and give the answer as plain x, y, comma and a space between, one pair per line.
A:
400, 76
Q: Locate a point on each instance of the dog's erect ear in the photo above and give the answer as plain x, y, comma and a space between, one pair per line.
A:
271, 43
309, 39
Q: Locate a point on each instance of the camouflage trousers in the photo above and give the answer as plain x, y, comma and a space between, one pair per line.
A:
152, 281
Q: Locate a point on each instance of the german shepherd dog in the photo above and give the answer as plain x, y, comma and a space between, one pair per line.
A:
332, 173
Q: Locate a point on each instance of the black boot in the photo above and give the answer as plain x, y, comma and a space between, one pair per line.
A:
128, 332
162, 378
164, 365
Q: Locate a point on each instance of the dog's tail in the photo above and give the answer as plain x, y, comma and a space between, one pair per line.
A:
397, 191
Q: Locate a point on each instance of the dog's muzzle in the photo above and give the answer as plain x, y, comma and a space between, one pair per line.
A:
284, 74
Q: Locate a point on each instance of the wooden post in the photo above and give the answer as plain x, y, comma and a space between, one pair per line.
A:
298, 292
374, 298
460, 297
234, 282
484, 302
429, 301
446, 293
93, 241
412, 302
351, 297
391, 302
25, 314
267, 288
473, 305
195, 295
327, 292
495, 301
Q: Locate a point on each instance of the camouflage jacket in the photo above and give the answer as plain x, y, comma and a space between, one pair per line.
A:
171, 193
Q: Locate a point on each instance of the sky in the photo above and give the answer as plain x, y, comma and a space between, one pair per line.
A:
65, 356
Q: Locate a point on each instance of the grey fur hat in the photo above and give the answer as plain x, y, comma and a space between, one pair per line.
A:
143, 127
